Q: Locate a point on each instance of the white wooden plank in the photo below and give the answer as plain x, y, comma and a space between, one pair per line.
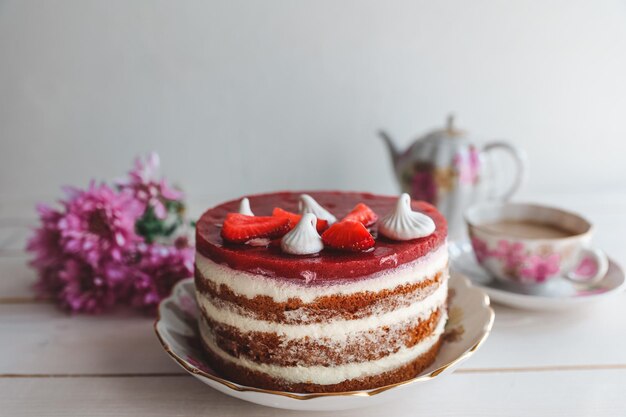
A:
41, 336
38, 338
572, 393
594, 335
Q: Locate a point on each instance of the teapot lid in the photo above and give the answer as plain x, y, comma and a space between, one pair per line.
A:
450, 129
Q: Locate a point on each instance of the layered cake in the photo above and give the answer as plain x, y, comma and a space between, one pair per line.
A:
321, 291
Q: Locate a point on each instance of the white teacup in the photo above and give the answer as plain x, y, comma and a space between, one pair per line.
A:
531, 244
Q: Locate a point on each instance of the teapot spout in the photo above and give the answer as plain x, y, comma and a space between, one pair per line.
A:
391, 147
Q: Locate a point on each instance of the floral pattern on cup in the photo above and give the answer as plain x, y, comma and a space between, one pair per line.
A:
517, 261
511, 253
537, 268
535, 255
481, 250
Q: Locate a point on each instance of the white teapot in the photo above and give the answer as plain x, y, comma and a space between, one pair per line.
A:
445, 168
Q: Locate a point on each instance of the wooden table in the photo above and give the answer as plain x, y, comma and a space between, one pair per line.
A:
569, 364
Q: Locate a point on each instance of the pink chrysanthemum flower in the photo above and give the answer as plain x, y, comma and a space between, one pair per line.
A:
159, 268
98, 223
147, 188
44, 243
84, 289
96, 250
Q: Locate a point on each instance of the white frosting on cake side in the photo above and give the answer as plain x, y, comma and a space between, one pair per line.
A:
334, 329
325, 375
280, 290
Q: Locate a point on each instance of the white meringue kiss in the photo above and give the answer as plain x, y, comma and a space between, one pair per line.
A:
404, 223
308, 204
303, 239
244, 207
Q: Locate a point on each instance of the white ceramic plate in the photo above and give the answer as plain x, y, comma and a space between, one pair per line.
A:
471, 319
558, 294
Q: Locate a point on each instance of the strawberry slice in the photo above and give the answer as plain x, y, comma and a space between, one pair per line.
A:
362, 213
295, 218
240, 228
348, 235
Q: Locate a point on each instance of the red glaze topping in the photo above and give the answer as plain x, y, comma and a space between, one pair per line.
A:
328, 264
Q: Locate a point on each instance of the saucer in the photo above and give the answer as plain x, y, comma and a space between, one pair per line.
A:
557, 294
470, 322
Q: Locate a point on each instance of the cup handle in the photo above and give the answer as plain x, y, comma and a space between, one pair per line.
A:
594, 262
519, 160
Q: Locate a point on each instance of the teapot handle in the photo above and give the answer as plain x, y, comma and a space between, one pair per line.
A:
519, 160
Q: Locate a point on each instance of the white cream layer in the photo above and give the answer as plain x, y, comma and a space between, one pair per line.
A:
324, 375
335, 330
251, 285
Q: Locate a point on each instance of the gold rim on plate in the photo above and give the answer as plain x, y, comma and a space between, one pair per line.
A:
308, 396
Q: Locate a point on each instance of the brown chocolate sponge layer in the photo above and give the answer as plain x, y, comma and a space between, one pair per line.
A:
270, 348
251, 378
349, 307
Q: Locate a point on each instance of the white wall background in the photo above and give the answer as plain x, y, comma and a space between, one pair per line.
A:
245, 96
